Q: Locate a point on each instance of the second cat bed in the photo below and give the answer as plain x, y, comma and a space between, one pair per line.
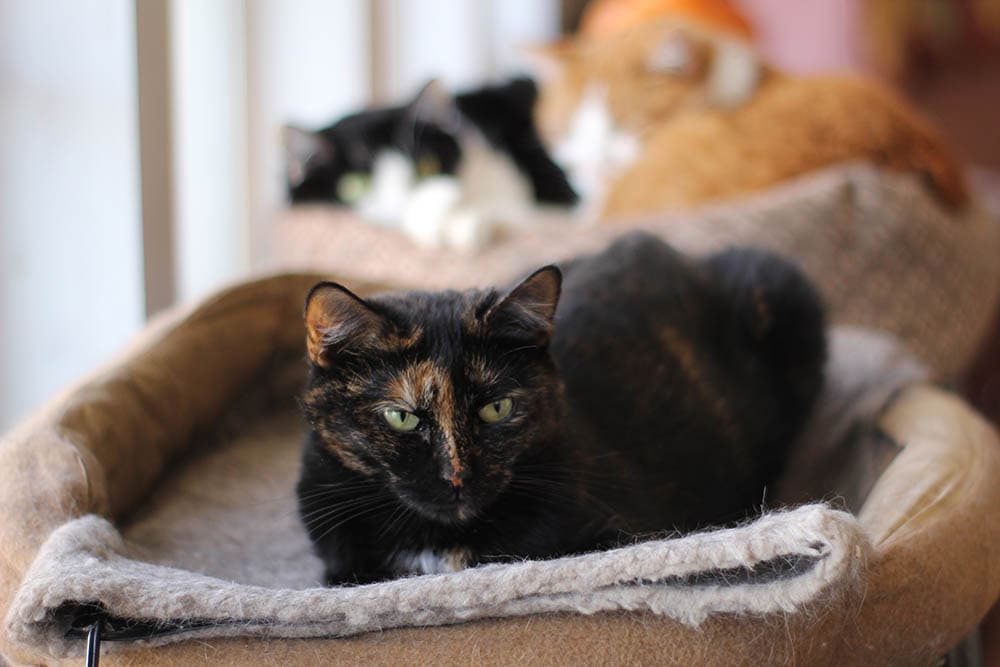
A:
880, 247
157, 495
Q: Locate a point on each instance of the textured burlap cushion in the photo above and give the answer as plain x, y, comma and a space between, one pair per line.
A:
884, 252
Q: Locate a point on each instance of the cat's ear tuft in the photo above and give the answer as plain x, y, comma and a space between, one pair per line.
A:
337, 319
435, 105
548, 61
734, 75
676, 54
303, 149
528, 311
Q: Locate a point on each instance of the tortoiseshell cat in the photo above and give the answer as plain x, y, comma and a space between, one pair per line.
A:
455, 428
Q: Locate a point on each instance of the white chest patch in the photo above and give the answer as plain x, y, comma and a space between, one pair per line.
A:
389, 191
432, 562
594, 151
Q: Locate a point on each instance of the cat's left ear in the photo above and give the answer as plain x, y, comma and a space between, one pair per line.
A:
303, 149
528, 311
435, 105
337, 319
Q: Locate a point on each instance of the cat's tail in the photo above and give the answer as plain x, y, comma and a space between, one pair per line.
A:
770, 301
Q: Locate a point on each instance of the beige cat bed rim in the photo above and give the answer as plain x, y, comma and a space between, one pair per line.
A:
932, 517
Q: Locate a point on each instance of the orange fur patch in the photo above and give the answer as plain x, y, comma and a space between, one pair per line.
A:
414, 386
425, 384
444, 404
687, 358
762, 310
694, 152
480, 372
343, 453
404, 341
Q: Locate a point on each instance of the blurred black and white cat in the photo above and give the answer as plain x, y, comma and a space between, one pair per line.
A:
447, 170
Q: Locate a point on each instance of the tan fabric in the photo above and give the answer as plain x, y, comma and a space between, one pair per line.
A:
101, 447
934, 517
884, 253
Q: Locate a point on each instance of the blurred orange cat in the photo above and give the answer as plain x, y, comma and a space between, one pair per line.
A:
669, 114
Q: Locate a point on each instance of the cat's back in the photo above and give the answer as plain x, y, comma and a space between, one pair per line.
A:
628, 332
668, 364
790, 127
623, 303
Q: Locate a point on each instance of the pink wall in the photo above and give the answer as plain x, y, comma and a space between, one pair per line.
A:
807, 35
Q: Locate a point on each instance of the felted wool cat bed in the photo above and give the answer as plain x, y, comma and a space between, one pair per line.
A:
157, 496
883, 250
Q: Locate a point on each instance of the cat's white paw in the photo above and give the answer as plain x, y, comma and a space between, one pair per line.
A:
389, 190
428, 209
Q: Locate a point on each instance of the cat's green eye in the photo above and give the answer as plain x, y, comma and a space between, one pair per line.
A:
428, 166
401, 420
497, 411
352, 186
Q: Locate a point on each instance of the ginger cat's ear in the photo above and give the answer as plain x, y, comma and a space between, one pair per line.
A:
733, 73
676, 54
548, 61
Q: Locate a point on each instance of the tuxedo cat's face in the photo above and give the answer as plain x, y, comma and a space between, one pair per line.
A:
434, 395
345, 162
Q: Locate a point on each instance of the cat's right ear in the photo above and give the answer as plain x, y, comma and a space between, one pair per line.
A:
303, 149
435, 104
337, 319
528, 311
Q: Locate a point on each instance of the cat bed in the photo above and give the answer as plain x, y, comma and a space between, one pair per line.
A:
884, 252
157, 496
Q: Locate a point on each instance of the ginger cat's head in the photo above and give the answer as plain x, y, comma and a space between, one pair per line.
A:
645, 73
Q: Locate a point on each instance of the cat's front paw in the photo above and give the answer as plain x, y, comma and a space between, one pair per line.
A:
429, 561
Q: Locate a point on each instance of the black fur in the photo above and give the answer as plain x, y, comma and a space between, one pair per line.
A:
502, 113
664, 396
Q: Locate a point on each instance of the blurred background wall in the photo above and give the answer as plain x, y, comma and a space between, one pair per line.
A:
71, 287
140, 156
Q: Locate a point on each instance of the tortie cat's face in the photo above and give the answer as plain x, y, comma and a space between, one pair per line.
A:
434, 395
